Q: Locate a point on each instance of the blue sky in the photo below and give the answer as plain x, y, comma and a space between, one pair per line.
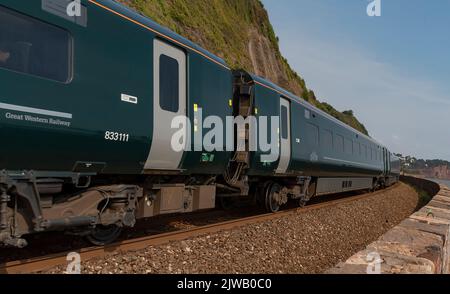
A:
392, 70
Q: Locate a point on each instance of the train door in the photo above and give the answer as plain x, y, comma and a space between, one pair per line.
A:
285, 136
388, 163
385, 162
169, 101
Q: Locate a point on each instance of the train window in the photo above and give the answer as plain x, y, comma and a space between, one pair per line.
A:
33, 47
284, 123
307, 114
169, 77
355, 148
339, 143
326, 139
312, 135
348, 146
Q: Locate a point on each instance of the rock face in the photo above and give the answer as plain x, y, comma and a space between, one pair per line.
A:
438, 172
419, 245
240, 32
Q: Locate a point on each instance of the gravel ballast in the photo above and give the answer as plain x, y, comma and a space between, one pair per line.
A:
309, 242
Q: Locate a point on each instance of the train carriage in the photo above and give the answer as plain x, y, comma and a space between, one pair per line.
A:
95, 95
313, 145
95, 105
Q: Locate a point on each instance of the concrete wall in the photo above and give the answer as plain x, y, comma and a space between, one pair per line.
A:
420, 244
430, 187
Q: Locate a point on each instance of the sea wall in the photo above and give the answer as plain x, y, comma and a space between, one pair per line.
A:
418, 245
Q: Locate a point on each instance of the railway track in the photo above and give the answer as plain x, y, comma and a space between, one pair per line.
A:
43, 263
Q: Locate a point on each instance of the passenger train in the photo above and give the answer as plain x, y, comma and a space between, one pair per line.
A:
87, 104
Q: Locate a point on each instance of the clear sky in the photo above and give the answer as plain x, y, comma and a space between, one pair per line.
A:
392, 70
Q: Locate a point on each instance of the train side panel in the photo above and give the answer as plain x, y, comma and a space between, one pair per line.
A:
266, 104
102, 66
211, 92
323, 148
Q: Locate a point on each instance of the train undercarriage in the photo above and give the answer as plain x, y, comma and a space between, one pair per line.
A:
99, 207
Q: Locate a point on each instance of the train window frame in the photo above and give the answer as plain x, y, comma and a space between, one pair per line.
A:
67, 41
326, 139
172, 104
312, 135
355, 148
348, 146
284, 122
337, 143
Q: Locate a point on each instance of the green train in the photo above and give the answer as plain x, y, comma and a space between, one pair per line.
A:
89, 95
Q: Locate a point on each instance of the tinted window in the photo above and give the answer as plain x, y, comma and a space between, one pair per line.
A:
169, 83
33, 47
348, 146
284, 123
339, 143
312, 135
326, 138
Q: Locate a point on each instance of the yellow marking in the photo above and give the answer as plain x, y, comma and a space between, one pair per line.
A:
195, 107
230, 102
256, 110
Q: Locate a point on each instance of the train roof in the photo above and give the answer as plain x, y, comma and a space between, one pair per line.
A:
268, 84
141, 20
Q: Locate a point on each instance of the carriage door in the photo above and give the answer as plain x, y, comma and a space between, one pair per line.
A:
169, 101
285, 136
385, 161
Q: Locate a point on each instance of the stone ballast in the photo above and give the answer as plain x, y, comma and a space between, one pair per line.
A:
418, 245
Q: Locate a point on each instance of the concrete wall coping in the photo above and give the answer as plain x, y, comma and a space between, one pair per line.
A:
418, 245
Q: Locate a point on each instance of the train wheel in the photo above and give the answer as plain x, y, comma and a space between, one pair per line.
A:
261, 194
272, 198
227, 203
104, 235
302, 203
